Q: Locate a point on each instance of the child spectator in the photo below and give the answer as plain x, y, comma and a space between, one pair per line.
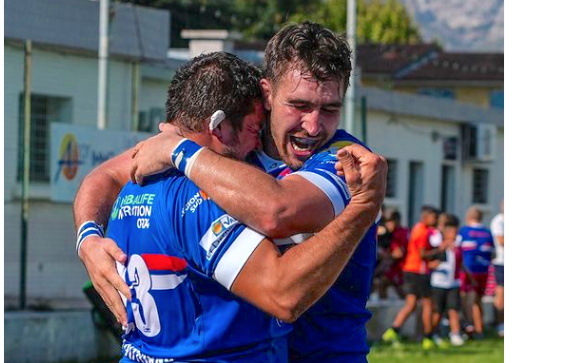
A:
392, 246
445, 281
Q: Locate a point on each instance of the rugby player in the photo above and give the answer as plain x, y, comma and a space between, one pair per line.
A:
477, 246
308, 69
417, 279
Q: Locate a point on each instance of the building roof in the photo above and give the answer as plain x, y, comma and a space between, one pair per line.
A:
436, 108
392, 58
135, 31
416, 62
459, 67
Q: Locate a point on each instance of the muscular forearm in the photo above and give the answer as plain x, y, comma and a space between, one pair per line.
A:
250, 195
431, 254
99, 189
305, 272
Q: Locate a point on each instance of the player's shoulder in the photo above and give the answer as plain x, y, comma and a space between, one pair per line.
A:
499, 218
464, 230
327, 153
341, 139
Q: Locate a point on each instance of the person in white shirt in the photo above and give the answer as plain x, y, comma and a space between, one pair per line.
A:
497, 228
445, 281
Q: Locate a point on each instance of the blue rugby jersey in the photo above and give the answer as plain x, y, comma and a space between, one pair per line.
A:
333, 330
477, 245
184, 253
262, 160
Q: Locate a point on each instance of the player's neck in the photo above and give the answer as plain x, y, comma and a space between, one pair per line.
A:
269, 146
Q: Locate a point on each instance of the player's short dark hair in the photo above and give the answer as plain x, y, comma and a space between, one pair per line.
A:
452, 221
429, 209
210, 82
395, 217
313, 49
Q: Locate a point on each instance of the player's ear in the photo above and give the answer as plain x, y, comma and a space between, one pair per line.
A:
267, 92
218, 132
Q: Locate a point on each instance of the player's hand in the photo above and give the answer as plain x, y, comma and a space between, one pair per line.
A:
153, 155
99, 255
366, 175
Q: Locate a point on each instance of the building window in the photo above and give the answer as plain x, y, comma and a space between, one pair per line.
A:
497, 98
44, 110
391, 179
480, 186
437, 92
448, 200
148, 121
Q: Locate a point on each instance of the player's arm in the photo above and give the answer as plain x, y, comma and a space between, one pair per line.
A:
497, 231
277, 208
432, 254
433, 264
93, 201
426, 251
286, 285
500, 240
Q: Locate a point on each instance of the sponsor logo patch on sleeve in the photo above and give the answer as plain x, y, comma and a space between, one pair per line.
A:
216, 234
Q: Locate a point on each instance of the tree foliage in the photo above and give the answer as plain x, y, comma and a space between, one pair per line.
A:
378, 21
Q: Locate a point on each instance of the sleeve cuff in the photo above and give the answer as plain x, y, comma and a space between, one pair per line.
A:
236, 256
331, 190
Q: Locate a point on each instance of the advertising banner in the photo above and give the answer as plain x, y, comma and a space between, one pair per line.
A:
76, 150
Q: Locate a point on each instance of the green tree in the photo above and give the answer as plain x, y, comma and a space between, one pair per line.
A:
377, 21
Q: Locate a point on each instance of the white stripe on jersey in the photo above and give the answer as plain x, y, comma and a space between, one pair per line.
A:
327, 187
295, 239
166, 282
236, 256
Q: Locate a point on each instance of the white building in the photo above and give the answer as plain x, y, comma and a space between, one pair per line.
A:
423, 138
64, 35
441, 152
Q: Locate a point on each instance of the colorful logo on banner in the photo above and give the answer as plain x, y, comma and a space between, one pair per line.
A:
68, 163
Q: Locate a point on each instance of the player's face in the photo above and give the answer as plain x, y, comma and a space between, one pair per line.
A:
450, 234
430, 219
246, 140
304, 114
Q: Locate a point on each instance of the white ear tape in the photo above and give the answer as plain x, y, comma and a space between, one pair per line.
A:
216, 118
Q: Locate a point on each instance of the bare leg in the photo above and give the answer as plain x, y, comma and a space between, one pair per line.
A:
426, 305
435, 319
467, 306
403, 314
454, 321
499, 303
477, 313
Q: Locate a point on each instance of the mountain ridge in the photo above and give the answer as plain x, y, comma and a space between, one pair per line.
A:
460, 25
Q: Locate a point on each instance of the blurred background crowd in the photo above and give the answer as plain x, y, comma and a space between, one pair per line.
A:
451, 268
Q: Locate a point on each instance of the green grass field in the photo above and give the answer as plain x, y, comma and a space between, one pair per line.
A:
490, 350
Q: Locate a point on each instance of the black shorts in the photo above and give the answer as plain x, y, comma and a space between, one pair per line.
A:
416, 284
446, 299
499, 275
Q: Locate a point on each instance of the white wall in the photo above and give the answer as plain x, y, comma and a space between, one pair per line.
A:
54, 270
407, 138
61, 75
153, 93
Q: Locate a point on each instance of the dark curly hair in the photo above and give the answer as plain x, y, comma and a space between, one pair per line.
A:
314, 49
210, 82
